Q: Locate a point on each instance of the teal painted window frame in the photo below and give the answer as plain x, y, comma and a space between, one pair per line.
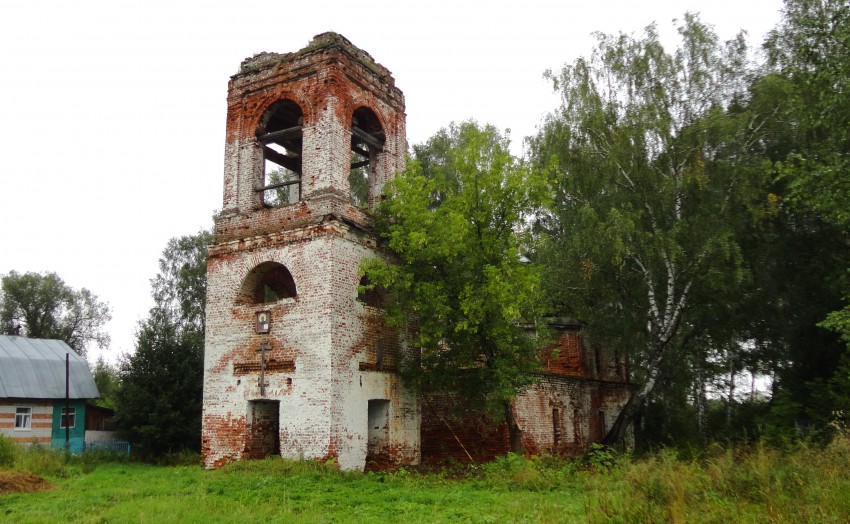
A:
63, 417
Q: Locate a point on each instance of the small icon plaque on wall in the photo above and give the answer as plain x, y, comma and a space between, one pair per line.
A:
263, 321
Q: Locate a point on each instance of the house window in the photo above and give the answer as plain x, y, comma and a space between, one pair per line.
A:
69, 418
23, 418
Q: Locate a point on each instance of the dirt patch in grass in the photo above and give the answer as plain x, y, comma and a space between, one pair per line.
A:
21, 482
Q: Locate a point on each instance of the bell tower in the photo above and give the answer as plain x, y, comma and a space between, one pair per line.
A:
297, 363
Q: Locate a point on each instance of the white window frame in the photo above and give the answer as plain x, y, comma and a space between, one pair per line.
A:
72, 412
23, 418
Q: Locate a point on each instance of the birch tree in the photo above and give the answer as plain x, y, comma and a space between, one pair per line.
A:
642, 154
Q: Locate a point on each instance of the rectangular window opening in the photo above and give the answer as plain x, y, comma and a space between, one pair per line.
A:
577, 422
556, 427
379, 355
23, 418
603, 424
69, 418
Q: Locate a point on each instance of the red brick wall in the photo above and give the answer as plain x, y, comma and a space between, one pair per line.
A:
322, 361
41, 422
565, 401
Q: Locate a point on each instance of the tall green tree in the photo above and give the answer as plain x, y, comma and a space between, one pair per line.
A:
811, 48
106, 379
457, 283
810, 51
158, 402
42, 305
180, 288
640, 240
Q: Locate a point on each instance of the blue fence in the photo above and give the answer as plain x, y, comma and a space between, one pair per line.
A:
118, 446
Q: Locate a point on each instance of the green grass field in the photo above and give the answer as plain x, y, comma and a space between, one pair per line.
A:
755, 485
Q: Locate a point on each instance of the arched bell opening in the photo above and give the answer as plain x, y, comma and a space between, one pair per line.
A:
267, 283
281, 138
367, 141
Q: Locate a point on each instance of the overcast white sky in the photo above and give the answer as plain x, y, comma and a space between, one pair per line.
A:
112, 112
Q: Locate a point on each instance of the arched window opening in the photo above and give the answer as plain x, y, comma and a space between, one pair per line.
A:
367, 140
280, 136
268, 282
370, 295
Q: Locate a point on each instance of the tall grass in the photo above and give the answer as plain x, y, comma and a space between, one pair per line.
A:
42, 460
808, 483
7, 453
746, 484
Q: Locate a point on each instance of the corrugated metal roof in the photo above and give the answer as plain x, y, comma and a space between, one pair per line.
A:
35, 368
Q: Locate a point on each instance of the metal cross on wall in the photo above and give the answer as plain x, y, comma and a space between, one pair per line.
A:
262, 382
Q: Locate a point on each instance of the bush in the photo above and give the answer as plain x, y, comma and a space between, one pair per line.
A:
601, 457
518, 473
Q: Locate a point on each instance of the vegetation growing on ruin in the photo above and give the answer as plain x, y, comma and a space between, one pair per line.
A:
453, 219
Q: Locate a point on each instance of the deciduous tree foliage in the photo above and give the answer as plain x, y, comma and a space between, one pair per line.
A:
106, 379
43, 306
797, 260
180, 288
810, 52
457, 283
158, 402
640, 240
811, 48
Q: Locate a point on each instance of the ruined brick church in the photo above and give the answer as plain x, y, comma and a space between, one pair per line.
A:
297, 363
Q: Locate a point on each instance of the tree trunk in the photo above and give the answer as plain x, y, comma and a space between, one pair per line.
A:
636, 400
702, 415
731, 398
700, 400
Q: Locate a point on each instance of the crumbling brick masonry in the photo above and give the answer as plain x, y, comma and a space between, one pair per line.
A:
296, 362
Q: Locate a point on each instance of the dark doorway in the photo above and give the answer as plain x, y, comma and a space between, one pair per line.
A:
378, 437
263, 429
